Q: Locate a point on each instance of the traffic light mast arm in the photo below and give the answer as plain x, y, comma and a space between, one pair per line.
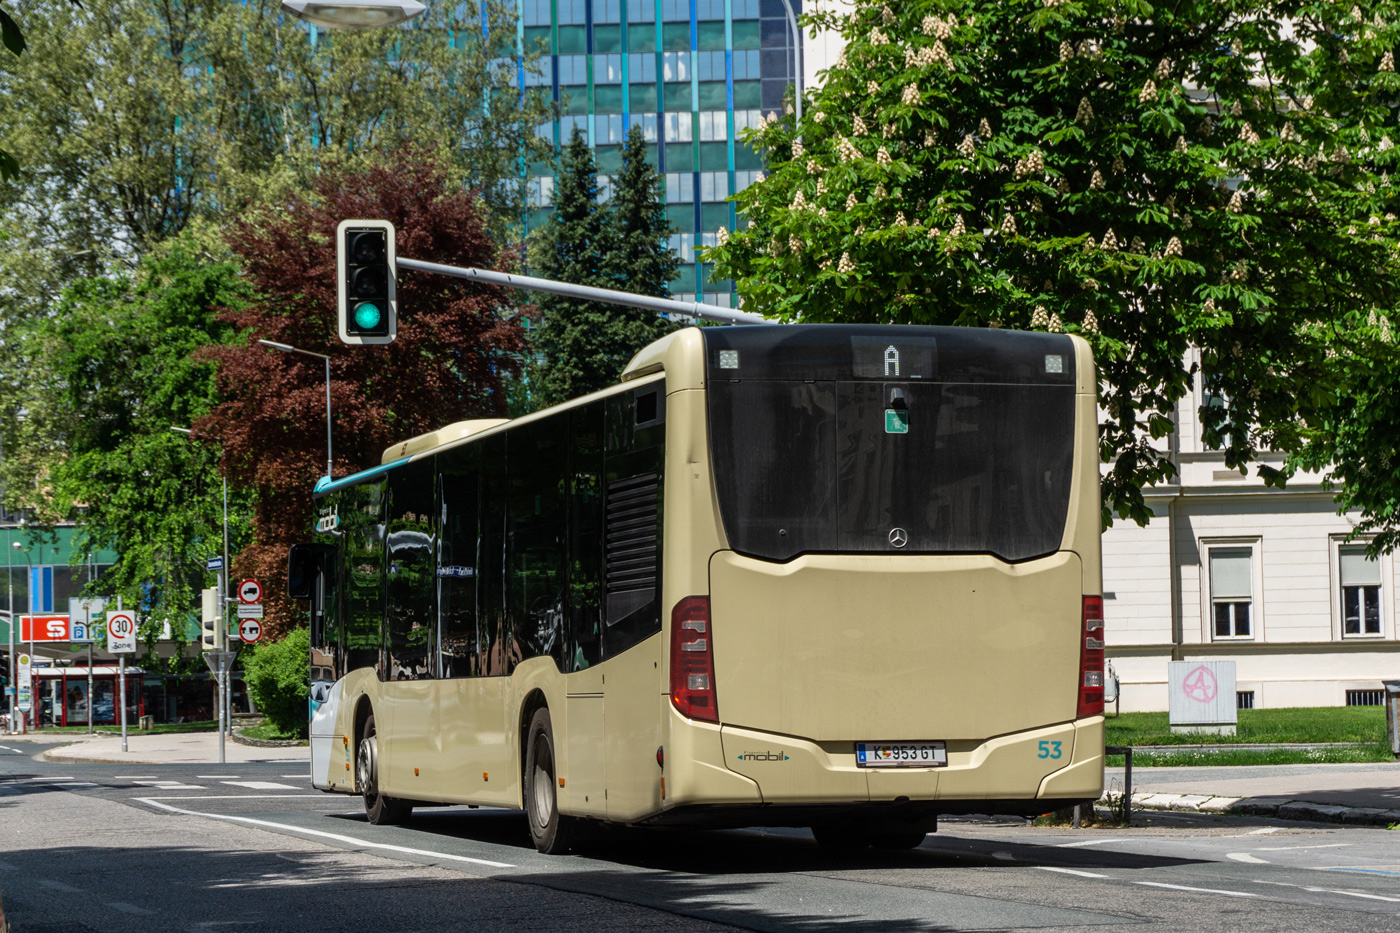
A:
568, 290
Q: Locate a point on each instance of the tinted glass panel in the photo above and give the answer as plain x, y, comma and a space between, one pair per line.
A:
537, 482
929, 440
412, 573
462, 648
362, 525
499, 651
635, 456
586, 535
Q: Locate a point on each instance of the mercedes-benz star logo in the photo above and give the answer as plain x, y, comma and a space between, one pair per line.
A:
899, 537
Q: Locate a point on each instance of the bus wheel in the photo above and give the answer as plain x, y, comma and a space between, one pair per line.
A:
381, 810
841, 837
552, 833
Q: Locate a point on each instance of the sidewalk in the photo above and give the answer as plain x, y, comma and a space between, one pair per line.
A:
1361, 794
172, 748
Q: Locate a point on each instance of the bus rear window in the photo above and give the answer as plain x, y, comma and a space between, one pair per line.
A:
911, 465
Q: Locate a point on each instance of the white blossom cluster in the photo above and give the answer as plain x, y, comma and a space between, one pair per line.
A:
1173, 247
1110, 241
1008, 225
1148, 92
1247, 135
910, 97
847, 150
938, 27
1085, 113
1236, 204
958, 228
845, 265
968, 146
1030, 164
878, 37
1289, 133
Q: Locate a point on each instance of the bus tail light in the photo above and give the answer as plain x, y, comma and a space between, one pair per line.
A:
693, 659
1091, 659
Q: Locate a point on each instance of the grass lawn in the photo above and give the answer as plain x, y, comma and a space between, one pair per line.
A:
1365, 724
267, 732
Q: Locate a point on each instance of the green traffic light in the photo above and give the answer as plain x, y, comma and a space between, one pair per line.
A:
368, 315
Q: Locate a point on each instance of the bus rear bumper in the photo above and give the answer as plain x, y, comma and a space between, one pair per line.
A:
1039, 769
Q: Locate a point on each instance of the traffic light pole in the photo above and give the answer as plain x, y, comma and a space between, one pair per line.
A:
694, 309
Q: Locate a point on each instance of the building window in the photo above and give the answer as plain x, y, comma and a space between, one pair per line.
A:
541, 191
743, 179
679, 127
679, 189
745, 9
609, 127
746, 64
540, 74
1361, 591
571, 12
714, 126
675, 66
711, 65
607, 11
1244, 699
647, 121
536, 12
641, 67
605, 187
747, 120
673, 11
573, 69
641, 11
607, 69
568, 124
714, 186
709, 9
1231, 591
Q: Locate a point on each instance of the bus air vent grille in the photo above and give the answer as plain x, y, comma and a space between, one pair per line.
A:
631, 533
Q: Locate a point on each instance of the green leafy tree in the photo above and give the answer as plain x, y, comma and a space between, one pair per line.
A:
120, 349
583, 346
1207, 174
279, 682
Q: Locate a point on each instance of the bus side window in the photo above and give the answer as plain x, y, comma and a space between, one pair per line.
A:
536, 537
362, 517
498, 650
411, 577
634, 471
460, 479
585, 536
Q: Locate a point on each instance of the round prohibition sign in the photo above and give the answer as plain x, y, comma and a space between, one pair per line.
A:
250, 630
121, 625
249, 591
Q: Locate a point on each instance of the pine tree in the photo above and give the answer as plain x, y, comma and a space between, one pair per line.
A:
583, 346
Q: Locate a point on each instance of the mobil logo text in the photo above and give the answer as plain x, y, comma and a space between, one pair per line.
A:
43, 628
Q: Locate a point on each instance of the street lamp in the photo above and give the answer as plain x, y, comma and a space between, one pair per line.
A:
225, 715
29, 588
14, 670
286, 348
354, 14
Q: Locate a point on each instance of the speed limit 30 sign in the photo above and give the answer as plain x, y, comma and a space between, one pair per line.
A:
121, 631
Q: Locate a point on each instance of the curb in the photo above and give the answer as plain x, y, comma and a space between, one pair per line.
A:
1282, 808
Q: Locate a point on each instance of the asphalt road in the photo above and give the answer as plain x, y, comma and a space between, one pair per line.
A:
252, 846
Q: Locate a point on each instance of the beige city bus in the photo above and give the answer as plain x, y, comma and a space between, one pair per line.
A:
841, 577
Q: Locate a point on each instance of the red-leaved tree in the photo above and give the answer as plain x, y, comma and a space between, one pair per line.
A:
454, 348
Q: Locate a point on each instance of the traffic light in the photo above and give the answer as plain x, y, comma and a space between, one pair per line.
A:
366, 290
212, 620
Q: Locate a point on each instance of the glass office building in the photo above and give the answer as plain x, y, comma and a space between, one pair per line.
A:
692, 74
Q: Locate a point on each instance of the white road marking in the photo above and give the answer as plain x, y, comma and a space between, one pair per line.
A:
171, 785
1366, 871
50, 779
1262, 832
325, 835
1086, 842
1246, 858
1004, 856
261, 785
218, 777
8, 749
1331, 845
301, 776
1070, 871
134, 777
74, 784
1182, 887
236, 796
1304, 887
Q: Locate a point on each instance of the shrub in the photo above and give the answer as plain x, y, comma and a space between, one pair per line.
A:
278, 676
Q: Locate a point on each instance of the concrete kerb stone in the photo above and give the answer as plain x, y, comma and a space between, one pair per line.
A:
1283, 808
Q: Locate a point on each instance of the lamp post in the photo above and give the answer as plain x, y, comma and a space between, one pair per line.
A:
287, 348
30, 590
225, 714
14, 670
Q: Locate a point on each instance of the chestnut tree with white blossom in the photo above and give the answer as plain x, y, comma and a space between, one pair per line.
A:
1212, 174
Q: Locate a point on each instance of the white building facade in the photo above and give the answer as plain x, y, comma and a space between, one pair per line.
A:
1229, 569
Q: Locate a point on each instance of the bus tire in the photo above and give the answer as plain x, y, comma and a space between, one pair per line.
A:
381, 810
551, 832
